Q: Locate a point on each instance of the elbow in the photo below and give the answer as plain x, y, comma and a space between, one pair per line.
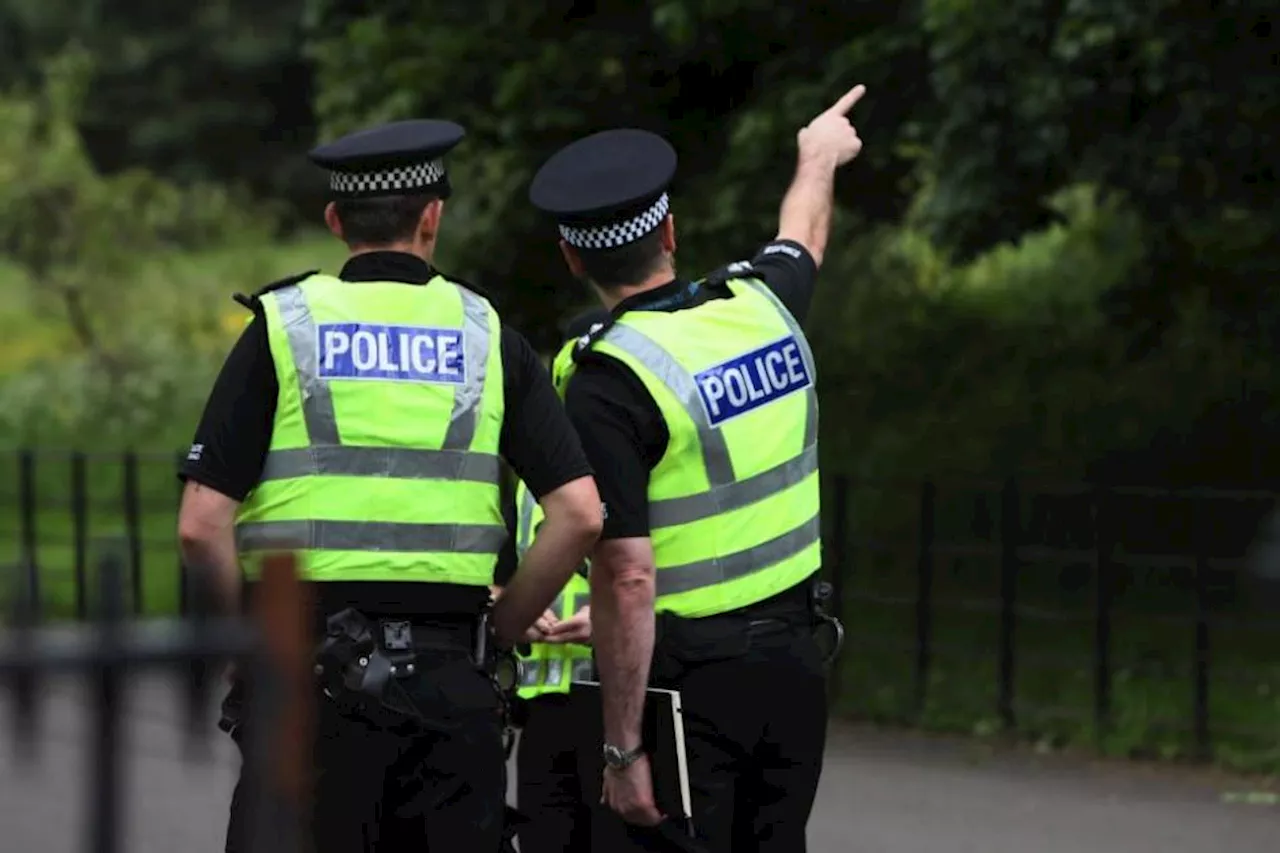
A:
633, 585
196, 536
584, 519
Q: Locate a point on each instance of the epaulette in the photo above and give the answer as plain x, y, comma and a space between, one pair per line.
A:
737, 269
251, 301
584, 343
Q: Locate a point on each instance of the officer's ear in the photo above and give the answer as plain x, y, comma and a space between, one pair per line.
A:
574, 262
331, 219
667, 230
429, 222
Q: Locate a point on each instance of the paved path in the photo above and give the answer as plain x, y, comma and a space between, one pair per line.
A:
880, 794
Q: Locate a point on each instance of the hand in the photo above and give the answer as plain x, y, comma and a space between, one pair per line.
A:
831, 134
575, 629
537, 632
629, 792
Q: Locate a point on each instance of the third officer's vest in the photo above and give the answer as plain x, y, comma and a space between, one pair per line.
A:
550, 667
734, 502
383, 464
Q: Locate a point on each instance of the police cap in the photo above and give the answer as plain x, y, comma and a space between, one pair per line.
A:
607, 190
400, 158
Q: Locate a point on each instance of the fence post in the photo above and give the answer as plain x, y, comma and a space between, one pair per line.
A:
27, 500
133, 527
80, 531
1010, 534
105, 779
838, 548
1200, 674
1104, 543
924, 596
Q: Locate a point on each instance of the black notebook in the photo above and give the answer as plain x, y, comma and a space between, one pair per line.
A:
662, 733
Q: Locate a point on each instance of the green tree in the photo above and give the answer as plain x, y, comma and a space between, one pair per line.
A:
728, 82
80, 238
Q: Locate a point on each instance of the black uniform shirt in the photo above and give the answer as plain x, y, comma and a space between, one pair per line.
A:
622, 430
231, 442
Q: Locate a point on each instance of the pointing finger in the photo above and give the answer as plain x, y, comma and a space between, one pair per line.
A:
842, 106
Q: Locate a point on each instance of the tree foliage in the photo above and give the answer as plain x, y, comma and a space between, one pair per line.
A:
79, 239
218, 90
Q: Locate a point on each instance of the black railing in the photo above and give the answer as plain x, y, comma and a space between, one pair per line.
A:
1011, 568
275, 648
940, 571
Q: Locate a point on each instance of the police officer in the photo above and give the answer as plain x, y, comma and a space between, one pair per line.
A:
550, 794
360, 420
697, 408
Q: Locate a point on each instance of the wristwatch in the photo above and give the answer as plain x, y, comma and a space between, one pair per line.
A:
619, 758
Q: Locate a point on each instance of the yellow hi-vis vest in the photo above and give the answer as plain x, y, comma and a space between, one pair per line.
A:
734, 502
550, 667
383, 464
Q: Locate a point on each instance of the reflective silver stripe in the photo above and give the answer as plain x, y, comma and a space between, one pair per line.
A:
668, 371
704, 573
476, 331
370, 536
327, 456
581, 600
806, 353
400, 463
674, 511
556, 605
317, 400
555, 671
530, 673
583, 669
524, 524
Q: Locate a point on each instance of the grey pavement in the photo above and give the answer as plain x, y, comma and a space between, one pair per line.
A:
881, 793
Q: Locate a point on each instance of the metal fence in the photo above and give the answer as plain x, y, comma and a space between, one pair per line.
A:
63, 505
275, 648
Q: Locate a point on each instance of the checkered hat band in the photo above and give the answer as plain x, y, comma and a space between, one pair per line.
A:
617, 234
389, 181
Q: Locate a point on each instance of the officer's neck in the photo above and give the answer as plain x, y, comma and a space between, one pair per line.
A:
614, 296
409, 247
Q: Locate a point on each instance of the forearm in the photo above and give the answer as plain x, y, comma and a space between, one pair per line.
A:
806, 212
623, 633
558, 549
212, 556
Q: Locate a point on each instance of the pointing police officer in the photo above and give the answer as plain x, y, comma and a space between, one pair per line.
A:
549, 764
359, 420
697, 408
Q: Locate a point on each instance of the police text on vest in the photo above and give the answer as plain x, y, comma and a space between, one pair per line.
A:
752, 380
400, 353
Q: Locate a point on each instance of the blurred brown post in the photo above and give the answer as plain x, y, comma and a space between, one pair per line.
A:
282, 689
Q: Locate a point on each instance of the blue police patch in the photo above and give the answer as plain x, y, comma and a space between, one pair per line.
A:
752, 380
401, 353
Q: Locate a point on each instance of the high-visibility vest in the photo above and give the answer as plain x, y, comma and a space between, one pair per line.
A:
383, 463
734, 502
550, 667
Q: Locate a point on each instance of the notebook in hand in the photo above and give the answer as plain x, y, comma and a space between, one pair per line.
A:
662, 733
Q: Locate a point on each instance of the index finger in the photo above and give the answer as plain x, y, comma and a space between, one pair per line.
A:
846, 102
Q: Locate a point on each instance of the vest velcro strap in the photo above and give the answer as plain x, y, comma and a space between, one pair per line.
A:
370, 536
730, 496
400, 463
671, 580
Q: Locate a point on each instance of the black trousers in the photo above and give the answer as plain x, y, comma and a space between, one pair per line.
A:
549, 789
378, 791
755, 729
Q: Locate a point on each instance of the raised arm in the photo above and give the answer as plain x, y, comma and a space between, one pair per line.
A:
825, 144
